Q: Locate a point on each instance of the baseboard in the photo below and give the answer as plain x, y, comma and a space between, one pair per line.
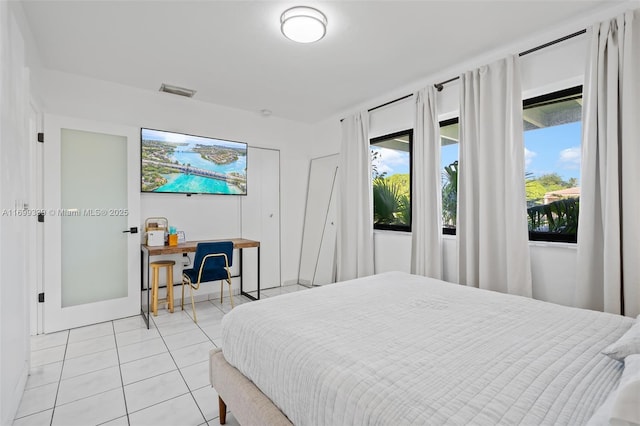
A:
293, 282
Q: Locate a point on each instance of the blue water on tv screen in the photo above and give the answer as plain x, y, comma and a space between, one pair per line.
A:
187, 164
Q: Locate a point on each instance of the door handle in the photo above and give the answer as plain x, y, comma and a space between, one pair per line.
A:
133, 230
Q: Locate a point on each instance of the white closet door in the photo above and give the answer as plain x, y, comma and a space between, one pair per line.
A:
261, 218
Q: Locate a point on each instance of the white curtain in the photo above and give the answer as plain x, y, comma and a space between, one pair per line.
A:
493, 246
608, 273
426, 202
355, 201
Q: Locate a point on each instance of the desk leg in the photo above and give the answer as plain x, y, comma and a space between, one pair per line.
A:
144, 259
242, 277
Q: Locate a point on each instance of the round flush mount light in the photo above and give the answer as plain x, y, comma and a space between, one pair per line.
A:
303, 24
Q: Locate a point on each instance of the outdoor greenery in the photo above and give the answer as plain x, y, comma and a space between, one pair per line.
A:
560, 216
391, 196
450, 195
391, 200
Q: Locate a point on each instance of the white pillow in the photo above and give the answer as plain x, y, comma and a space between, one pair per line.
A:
626, 345
626, 406
622, 406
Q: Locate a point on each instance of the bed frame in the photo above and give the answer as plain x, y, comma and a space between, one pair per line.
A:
248, 404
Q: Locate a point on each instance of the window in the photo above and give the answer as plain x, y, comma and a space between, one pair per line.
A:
449, 166
391, 175
552, 140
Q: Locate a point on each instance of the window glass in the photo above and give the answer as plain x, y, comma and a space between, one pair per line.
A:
449, 167
391, 176
552, 140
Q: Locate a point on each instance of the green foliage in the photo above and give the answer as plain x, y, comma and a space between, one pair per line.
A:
450, 194
391, 204
535, 191
375, 156
557, 217
402, 181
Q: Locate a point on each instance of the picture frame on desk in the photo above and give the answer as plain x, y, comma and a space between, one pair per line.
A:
181, 238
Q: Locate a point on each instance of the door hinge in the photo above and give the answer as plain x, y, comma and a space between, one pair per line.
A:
40, 297
41, 217
41, 137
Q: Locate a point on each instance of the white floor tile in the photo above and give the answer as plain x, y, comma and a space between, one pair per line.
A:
88, 363
91, 411
177, 411
38, 419
89, 384
90, 332
196, 375
128, 324
165, 317
145, 368
188, 338
44, 374
95, 361
90, 346
37, 399
47, 356
44, 341
212, 329
141, 350
148, 392
167, 329
207, 400
136, 336
192, 354
231, 421
120, 421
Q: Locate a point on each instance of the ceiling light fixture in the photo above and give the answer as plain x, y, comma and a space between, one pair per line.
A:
303, 24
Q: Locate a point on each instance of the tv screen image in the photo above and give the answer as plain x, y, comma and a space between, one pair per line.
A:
187, 164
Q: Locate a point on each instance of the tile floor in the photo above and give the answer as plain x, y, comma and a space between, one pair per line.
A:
119, 373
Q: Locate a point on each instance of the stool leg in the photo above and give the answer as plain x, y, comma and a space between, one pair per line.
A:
154, 292
170, 287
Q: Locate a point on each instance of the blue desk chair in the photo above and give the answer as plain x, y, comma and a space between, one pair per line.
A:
211, 263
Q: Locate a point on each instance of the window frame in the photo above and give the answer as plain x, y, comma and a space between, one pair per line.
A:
548, 99
377, 139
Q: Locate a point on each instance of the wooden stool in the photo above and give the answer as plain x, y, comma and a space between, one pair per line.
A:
155, 278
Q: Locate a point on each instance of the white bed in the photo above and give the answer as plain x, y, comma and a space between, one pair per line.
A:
401, 349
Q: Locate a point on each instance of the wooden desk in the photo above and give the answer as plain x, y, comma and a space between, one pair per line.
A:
190, 247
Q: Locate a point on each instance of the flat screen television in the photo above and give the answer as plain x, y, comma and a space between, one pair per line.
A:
185, 164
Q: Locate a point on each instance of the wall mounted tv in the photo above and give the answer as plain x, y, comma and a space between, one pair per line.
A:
187, 164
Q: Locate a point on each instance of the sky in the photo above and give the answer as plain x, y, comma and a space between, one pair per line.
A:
553, 149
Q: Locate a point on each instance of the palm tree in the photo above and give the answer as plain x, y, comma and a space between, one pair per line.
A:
390, 205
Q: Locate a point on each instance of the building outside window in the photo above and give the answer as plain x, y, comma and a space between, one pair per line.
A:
391, 176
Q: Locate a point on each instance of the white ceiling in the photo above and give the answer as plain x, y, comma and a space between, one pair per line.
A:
232, 52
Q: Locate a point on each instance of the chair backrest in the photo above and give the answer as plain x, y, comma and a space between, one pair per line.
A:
203, 249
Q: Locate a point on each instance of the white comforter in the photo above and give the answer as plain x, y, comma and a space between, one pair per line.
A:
396, 349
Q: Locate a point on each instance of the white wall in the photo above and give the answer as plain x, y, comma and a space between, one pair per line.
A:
553, 68
199, 216
14, 230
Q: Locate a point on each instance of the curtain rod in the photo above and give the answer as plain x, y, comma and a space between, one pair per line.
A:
440, 85
386, 103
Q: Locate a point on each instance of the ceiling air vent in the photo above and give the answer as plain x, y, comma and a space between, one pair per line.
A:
175, 90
